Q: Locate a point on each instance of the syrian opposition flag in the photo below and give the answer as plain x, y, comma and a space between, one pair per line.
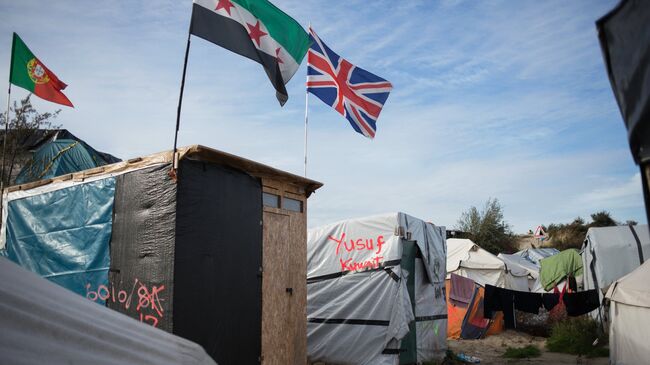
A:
255, 29
30, 73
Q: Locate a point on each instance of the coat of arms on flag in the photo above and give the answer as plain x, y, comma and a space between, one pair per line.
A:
355, 93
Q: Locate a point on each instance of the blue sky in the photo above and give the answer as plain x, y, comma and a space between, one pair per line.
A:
501, 99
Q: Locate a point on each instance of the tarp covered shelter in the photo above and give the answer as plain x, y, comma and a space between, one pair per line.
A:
56, 158
520, 267
554, 269
465, 258
534, 255
376, 291
609, 253
43, 323
630, 318
465, 310
214, 251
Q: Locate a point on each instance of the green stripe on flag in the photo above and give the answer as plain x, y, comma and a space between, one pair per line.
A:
283, 28
20, 56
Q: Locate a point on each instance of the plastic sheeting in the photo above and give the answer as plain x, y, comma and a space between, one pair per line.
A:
142, 246
55, 236
534, 255
217, 281
359, 308
43, 323
625, 41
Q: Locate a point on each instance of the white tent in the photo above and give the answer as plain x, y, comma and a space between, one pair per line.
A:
630, 318
520, 267
375, 291
609, 253
465, 258
43, 323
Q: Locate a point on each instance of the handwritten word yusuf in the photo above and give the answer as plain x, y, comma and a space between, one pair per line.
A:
359, 245
147, 299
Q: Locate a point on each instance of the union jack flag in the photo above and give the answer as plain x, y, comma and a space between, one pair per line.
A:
354, 92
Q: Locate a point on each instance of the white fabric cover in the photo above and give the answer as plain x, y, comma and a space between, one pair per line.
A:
523, 272
345, 283
630, 317
43, 323
628, 334
465, 258
609, 253
613, 253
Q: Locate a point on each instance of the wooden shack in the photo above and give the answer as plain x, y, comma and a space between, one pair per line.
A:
214, 251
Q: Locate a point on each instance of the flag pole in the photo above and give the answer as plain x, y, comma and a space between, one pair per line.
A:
4, 142
306, 121
306, 106
180, 101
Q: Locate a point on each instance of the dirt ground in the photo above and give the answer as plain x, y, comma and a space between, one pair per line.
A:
491, 349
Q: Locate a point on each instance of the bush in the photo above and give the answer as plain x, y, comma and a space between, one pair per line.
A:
576, 336
522, 352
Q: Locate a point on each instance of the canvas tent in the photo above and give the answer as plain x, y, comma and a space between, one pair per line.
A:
465, 258
609, 253
57, 158
214, 251
519, 267
376, 291
43, 323
630, 317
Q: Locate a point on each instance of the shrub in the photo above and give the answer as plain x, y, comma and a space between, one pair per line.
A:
522, 352
576, 336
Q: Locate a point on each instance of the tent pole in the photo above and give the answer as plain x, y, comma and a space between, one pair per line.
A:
180, 99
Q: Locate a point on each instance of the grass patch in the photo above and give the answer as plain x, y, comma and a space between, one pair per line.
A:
522, 352
576, 336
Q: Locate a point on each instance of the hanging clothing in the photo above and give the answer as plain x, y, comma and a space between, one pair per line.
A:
462, 289
582, 302
550, 300
507, 301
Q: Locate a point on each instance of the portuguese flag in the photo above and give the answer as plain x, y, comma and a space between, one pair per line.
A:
255, 29
30, 73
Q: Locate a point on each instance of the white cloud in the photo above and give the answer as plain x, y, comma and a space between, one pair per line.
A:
491, 99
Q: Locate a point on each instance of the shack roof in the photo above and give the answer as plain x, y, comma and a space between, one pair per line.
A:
193, 152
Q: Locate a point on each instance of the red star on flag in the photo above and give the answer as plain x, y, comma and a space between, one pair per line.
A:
224, 4
277, 55
255, 32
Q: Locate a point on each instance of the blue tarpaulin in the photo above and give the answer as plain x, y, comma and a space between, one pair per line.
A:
64, 235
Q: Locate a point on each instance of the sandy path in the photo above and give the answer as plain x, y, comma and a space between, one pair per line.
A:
490, 349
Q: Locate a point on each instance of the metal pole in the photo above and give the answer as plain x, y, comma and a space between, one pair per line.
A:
4, 142
180, 98
306, 121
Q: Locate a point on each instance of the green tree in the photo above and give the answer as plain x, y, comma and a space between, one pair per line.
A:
487, 227
602, 219
25, 121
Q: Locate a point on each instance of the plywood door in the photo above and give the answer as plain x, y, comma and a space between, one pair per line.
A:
276, 317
